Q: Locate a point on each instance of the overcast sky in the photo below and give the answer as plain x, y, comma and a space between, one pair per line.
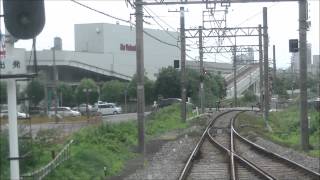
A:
282, 21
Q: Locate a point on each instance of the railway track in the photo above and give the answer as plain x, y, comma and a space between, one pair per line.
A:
278, 166
221, 153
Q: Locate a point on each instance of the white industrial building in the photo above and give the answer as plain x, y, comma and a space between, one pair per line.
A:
107, 51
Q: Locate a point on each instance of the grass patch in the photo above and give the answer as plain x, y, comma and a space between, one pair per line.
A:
285, 128
165, 120
107, 146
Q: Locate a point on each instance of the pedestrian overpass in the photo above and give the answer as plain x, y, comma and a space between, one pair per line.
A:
248, 76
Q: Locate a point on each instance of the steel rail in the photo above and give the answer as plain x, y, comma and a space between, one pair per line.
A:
241, 159
194, 153
275, 155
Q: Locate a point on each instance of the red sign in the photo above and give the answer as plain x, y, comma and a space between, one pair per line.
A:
127, 47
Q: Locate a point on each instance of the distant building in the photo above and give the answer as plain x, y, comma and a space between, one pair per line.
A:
246, 58
315, 67
296, 62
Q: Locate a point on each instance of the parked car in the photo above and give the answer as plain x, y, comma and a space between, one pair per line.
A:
82, 108
20, 115
170, 101
109, 108
64, 112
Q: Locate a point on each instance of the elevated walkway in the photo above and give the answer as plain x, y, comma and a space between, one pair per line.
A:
246, 77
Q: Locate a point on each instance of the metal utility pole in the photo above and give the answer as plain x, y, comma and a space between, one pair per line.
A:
140, 75
12, 119
55, 83
201, 70
261, 68
266, 64
235, 76
274, 62
183, 66
303, 74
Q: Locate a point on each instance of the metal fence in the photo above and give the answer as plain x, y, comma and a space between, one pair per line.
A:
41, 173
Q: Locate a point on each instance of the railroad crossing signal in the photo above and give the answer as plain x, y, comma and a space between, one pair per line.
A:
24, 19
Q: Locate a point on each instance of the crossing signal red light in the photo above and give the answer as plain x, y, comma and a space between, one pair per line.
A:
24, 19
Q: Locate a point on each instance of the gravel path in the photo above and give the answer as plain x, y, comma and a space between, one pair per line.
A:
168, 162
311, 163
307, 161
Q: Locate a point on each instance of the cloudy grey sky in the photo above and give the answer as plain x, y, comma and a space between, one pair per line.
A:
61, 15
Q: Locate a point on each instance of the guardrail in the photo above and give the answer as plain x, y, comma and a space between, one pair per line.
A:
41, 173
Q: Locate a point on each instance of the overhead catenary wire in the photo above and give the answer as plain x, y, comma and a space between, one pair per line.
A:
175, 30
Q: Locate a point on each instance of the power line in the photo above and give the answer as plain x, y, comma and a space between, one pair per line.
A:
174, 29
146, 9
126, 21
256, 14
160, 25
88, 7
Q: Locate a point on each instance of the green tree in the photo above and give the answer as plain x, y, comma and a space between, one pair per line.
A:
280, 87
35, 91
3, 93
113, 91
148, 89
167, 84
81, 93
66, 92
249, 96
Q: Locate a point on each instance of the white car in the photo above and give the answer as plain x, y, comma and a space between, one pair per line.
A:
20, 115
82, 108
64, 112
109, 108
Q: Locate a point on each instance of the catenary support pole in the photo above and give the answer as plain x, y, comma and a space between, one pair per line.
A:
235, 76
303, 74
266, 64
201, 70
274, 63
55, 84
183, 66
261, 68
140, 75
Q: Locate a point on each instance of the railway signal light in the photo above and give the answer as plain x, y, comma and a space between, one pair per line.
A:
176, 64
24, 19
293, 45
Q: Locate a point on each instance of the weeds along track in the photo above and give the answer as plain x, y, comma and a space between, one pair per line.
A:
276, 165
221, 153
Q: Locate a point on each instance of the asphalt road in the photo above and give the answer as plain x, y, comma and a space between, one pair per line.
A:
70, 127
121, 117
